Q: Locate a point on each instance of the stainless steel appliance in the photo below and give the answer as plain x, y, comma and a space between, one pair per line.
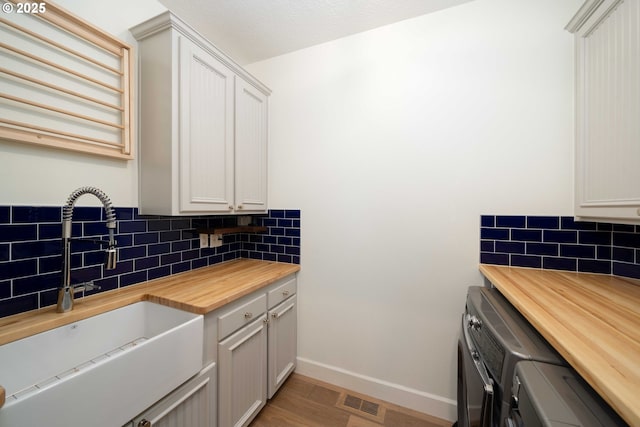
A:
494, 338
556, 396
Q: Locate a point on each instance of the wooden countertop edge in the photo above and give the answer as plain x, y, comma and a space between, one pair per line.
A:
596, 370
251, 274
2, 396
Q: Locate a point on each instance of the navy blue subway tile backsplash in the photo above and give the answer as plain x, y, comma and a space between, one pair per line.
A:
149, 247
560, 243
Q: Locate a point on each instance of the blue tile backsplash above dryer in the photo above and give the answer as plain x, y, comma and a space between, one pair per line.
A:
560, 243
148, 247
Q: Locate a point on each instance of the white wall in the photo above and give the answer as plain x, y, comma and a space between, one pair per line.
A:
393, 142
31, 175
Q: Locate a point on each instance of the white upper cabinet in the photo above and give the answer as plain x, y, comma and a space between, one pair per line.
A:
204, 129
607, 168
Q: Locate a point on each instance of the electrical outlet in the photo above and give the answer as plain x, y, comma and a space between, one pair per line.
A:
204, 240
215, 240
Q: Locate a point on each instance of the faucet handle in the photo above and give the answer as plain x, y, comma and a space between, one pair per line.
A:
86, 286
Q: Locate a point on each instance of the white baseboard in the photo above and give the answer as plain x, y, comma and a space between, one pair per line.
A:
417, 400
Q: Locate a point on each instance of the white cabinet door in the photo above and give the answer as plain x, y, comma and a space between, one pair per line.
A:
190, 405
283, 343
608, 110
206, 131
251, 148
242, 359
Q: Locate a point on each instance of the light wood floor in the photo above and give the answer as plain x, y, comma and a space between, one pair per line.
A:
304, 401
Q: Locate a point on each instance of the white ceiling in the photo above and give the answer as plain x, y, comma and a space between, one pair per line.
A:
253, 30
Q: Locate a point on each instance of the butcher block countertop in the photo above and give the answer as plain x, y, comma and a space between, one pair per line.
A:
592, 320
198, 291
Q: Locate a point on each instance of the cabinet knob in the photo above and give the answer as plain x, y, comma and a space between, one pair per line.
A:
239, 206
285, 293
248, 315
230, 207
144, 423
274, 315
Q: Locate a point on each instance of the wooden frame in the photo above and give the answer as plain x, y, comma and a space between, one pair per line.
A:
65, 83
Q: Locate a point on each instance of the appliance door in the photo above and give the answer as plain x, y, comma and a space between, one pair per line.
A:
475, 387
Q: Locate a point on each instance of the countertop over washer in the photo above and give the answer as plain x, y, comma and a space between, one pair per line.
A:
592, 320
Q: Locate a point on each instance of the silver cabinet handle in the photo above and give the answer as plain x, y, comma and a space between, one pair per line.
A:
248, 315
285, 293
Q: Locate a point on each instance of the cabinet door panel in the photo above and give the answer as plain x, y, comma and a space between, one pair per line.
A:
282, 343
251, 148
608, 112
206, 131
243, 372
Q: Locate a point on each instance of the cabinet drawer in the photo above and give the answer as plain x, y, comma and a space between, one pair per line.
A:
240, 316
281, 293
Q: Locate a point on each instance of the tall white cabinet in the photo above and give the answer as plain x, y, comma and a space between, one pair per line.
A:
204, 125
607, 37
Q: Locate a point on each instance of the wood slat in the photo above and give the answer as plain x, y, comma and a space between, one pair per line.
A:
592, 320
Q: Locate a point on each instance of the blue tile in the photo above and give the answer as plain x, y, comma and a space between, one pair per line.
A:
489, 258
94, 229
159, 225
277, 213
510, 247
86, 274
30, 214
269, 222
107, 284
568, 223
526, 235
567, 264
180, 224
35, 249
295, 260
545, 222
159, 249
487, 221
626, 270
255, 255
292, 213
594, 266
278, 249
487, 246
18, 233
623, 254
132, 226
5, 214
630, 240
93, 257
170, 259
526, 261
49, 264
276, 231
292, 232
125, 214
604, 252
28, 285
5, 289
511, 221
156, 273
181, 245
594, 238
87, 213
564, 236
198, 263
549, 249
132, 252
48, 298
133, 278
494, 234
269, 257
284, 258
624, 228
577, 251
180, 267
603, 226
4, 252
145, 238
285, 223
168, 236
122, 267
290, 250
189, 255
50, 231
13, 269
18, 305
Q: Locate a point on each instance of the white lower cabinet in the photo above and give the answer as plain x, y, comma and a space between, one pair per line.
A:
243, 374
282, 343
256, 349
193, 404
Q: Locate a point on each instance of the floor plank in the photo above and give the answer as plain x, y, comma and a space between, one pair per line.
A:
307, 402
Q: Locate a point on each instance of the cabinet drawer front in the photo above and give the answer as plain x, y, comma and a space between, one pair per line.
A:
282, 292
243, 315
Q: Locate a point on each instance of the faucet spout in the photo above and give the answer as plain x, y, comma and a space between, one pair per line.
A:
66, 291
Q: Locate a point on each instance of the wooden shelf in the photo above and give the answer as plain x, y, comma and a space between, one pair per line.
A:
231, 230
